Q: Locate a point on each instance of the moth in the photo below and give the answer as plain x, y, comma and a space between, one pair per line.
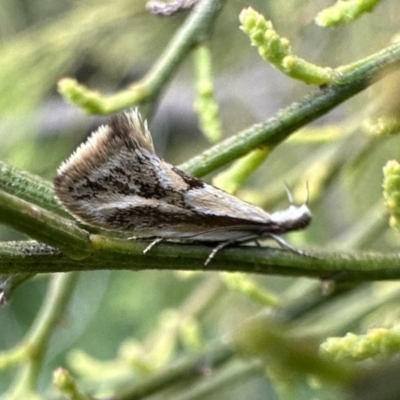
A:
116, 181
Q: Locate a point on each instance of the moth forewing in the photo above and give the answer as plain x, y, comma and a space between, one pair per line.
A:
115, 181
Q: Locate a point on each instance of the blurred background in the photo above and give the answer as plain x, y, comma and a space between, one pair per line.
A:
106, 46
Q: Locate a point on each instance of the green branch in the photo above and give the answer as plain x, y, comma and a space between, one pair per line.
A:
33, 347
29, 187
196, 28
353, 79
277, 50
117, 254
43, 225
183, 370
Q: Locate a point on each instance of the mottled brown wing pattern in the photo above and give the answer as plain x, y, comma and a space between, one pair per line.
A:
116, 181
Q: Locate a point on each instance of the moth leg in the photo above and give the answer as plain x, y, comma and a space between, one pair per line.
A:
285, 244
152, 244
222, 245
216, 249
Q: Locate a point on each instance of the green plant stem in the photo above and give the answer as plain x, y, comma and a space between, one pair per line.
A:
234, 177
359, 302
43, 225
227, 379
29, 187
205, 296
206, 105
186, 369
287, 121
35, 344
195, 29
56, 231
114, 254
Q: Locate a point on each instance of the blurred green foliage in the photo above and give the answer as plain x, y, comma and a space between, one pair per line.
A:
107, 45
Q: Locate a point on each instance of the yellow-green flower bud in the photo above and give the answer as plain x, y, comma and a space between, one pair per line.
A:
277, 51
391, 191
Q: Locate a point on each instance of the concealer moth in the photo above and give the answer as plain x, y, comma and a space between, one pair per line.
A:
116, 181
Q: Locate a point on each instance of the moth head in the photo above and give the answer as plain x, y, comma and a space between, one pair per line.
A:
293, 218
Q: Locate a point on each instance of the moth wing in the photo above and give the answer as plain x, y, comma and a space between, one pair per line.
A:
116, 181
105, 169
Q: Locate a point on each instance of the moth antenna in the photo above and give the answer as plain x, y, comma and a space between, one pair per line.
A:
307, 193
289, 194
